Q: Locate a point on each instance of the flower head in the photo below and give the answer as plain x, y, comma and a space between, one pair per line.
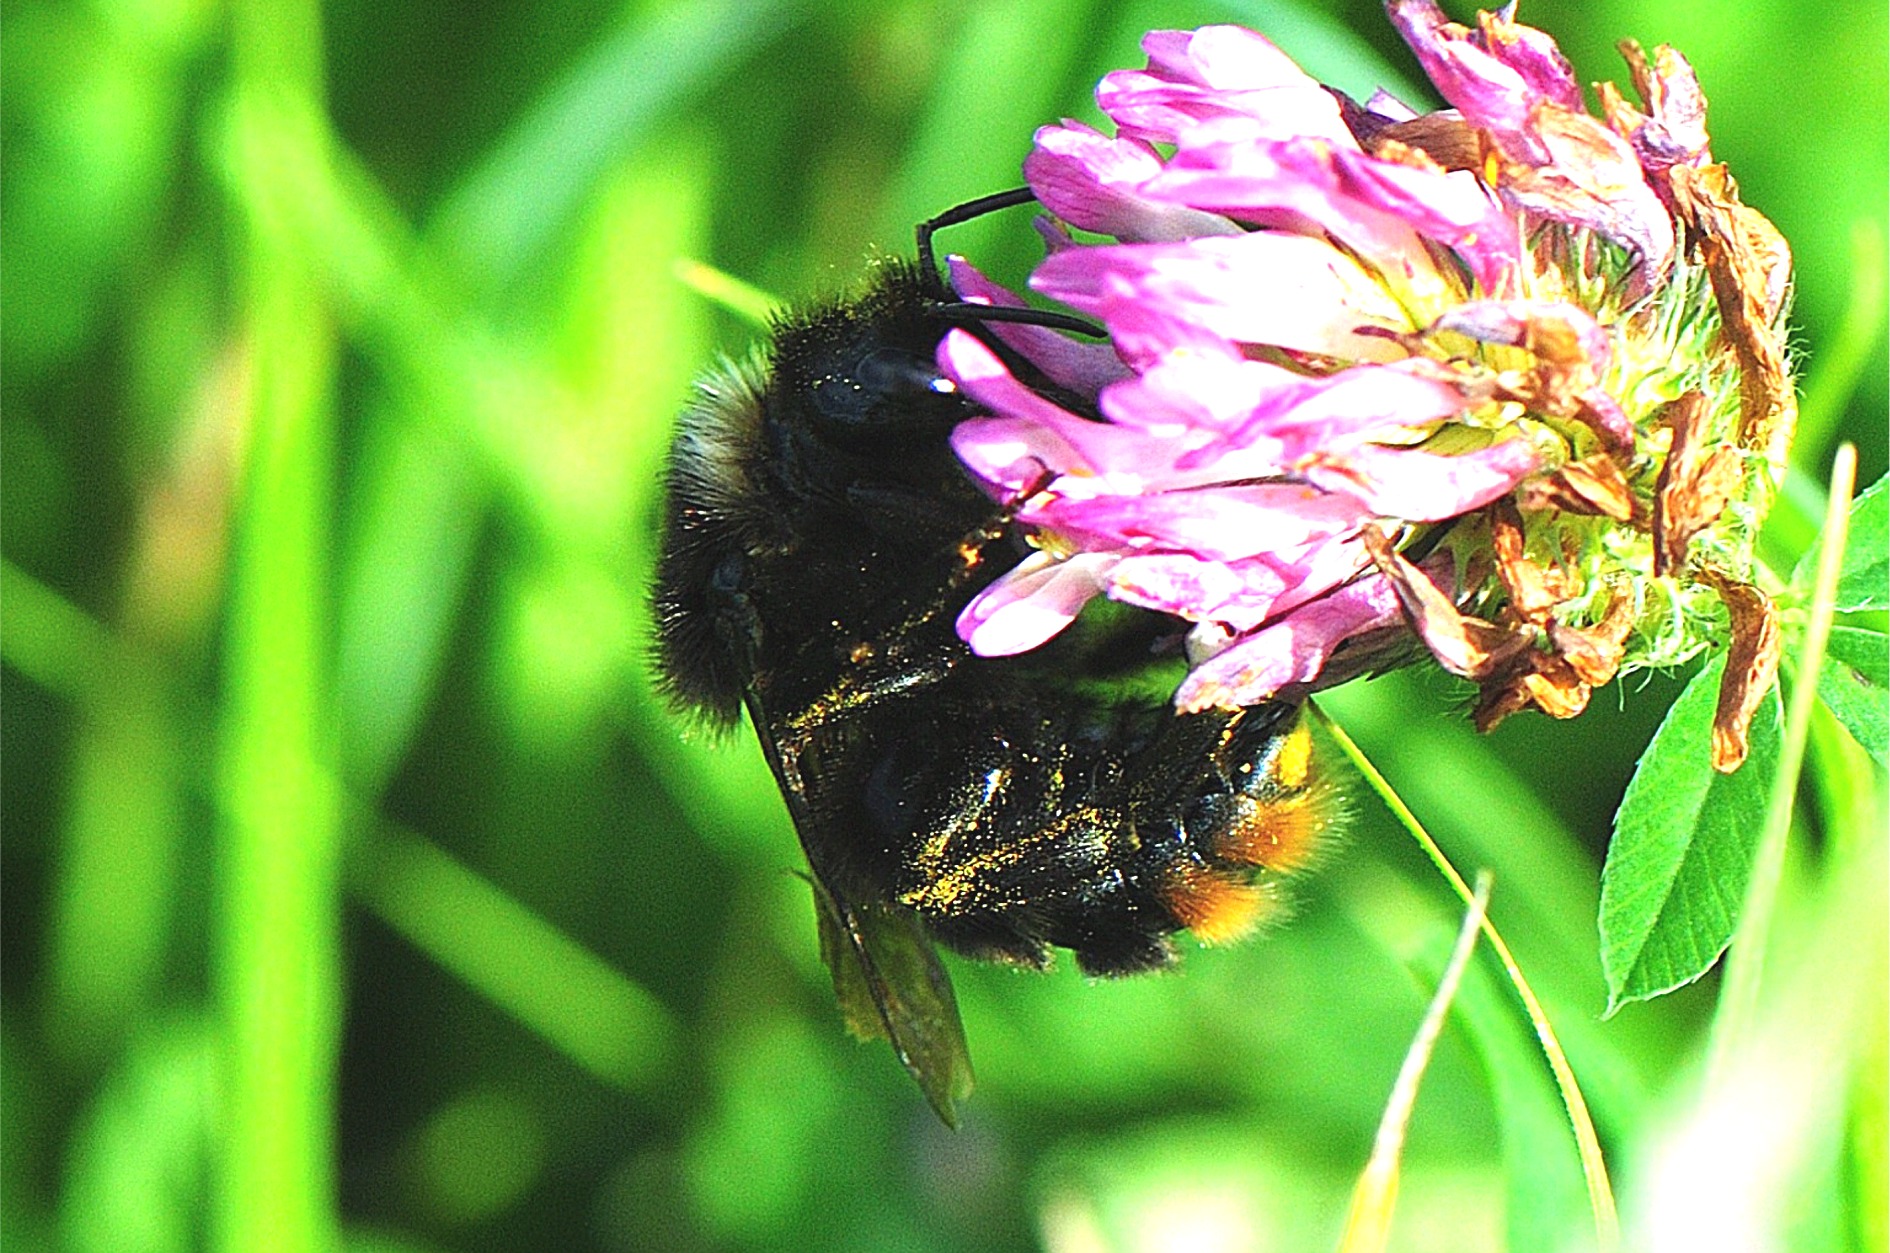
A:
1508, 375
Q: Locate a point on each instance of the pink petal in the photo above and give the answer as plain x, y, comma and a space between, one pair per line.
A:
1232, 58
1222, 523
1011, 457
1030, 604
1376, 206
1315, 297
1240, 594
1340, 408
1078, 444
1037, 464
1093, 182
1227, 167
1450, 207
1515, 85
1605, 414
1217, 71
1318, 569
1084, 368
1213, 388
1420, 486
1187, 585
1146, 334
1291, 649
1533, 55
1389, 107
1492, 95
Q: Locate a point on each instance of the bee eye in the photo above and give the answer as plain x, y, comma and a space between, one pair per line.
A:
888, 391
898, 374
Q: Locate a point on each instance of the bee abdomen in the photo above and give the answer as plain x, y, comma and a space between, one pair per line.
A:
1188, 829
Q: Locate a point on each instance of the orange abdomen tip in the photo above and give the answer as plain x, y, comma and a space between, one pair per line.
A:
1216, 905
1282, 818
1279, 835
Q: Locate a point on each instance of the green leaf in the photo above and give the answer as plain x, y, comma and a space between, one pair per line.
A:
1683, 845
1864, 580
1855, 683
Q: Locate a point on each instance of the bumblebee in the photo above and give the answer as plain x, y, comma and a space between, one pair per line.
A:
820, 540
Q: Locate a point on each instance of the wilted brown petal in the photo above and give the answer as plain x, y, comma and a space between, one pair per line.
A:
1558, 681
1622, 118
1533, 590
1594, 179
1463, 645
1555, 686
1445, 138
1594, 485
1594, 652
1750, 265
1571, 352
1694, 485
1673, 130
1533, 678
1498, 700
1556, 333
1751, 666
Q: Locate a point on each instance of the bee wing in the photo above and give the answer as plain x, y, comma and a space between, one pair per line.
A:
886, 972
891, 985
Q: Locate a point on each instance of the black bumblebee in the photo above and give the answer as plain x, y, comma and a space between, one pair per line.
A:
821, 539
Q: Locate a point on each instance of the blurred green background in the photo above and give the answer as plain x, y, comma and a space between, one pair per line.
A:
357, 893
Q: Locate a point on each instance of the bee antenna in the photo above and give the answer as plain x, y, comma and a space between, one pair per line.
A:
928, 261
974, 314
971, 314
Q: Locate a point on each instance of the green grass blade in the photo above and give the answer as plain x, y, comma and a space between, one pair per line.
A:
515, 959
419, 500
120, 870
1545, 1200
134, 1168
1368, 1223
276, 961
972, 138
1550, 894
1594, 1165
1845, 353
498, 221
1745, 968
50, 640
1752, 1154
744, 300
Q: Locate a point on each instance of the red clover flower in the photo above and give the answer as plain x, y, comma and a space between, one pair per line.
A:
1509, 376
